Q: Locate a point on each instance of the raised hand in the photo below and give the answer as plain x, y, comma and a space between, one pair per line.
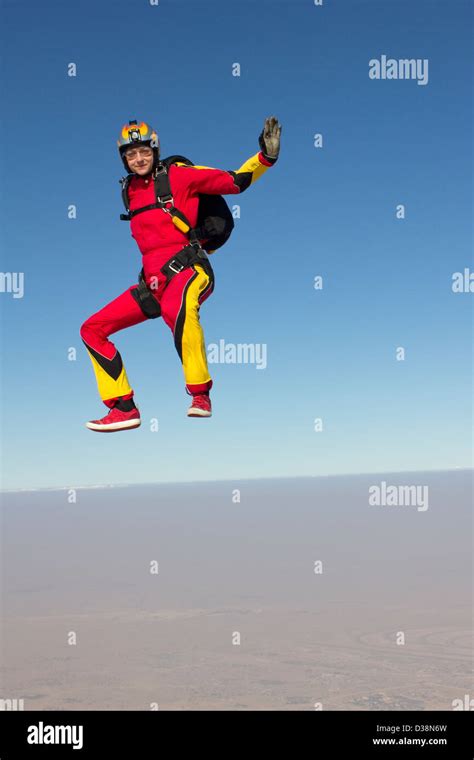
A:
269, 139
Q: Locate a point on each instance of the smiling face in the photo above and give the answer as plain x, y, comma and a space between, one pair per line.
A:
140, 159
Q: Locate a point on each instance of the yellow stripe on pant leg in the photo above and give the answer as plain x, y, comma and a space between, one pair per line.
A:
194, 356
107, 386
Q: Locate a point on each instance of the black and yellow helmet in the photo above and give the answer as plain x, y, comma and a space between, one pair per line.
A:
135, 133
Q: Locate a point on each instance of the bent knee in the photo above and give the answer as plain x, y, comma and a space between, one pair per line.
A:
88, 330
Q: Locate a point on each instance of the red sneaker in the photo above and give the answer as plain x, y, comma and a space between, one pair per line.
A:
116, 420
201, 406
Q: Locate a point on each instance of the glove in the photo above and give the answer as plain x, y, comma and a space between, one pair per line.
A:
269, 139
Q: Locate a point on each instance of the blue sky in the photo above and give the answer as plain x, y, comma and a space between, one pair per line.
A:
329, 212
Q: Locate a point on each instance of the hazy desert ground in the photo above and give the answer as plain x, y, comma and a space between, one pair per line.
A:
248, 568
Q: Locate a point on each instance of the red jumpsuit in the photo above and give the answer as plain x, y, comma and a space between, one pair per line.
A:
158, 240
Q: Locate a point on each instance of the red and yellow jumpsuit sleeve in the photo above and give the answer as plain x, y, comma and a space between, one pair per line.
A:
204, 179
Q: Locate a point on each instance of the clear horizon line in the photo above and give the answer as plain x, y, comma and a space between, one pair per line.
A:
225, 480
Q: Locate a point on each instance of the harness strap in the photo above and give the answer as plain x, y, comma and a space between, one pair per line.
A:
191, 254
131, 214
163, 196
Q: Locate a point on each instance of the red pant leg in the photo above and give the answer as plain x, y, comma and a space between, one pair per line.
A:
111, 377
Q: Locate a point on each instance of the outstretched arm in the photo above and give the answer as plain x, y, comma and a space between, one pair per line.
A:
204, 179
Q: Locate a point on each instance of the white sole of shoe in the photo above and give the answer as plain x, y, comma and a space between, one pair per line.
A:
126, 425
198, 413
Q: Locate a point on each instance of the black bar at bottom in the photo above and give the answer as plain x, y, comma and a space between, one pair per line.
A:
313, 734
